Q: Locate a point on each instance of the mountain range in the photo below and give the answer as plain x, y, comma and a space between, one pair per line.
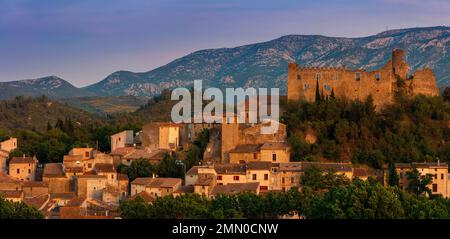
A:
261, 64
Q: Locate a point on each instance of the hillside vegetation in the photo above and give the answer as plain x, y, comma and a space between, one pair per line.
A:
410, 130
108, 105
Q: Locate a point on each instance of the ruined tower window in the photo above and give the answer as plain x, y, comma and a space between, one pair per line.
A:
327, 87
318, 76
299, 77
334, 77
378, 76
358, 76
306, 87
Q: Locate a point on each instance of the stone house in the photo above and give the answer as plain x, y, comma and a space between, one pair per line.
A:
122, 139
157, 187
23, 168
438, 171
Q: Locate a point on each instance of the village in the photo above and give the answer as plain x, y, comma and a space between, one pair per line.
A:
238, 158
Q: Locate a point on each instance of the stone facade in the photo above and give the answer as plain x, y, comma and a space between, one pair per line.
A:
438, 171
358, 84
234, 134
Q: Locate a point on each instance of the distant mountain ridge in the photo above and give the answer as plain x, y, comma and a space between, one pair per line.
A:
51, 86
265, 64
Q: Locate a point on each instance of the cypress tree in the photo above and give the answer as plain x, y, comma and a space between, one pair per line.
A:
393, 176
318, 97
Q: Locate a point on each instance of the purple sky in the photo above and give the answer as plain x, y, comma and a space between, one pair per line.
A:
83, 41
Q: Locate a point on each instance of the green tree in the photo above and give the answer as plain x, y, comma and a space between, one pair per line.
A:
446, 94
418, 184
18, 210
359, 200
168, 167
136, 208
140, 168
318, 97
393, 175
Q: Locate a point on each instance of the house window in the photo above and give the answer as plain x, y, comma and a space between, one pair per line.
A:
307, 87
112, 176
282, 180
219, 183
442, 176
434, 187
29, 170
318, 76
358, 76
254, 177
292, 179
274, 157
377, 76
236, 178
263, 188
86, 154
89, 165
219, 177
435, 176
299, 77
266, 176
255, 155
18, 171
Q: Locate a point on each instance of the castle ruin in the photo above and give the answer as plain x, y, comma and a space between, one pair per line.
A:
358, 84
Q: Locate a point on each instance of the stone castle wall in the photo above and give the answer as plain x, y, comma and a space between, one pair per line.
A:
358, 84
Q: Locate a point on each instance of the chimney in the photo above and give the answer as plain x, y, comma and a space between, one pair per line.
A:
438, 162
23, 156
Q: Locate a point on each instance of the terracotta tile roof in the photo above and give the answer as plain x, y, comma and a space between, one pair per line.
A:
230, 168
92, 176
185, 189
329, 167
4, 178
205, 180
54, 170
290, 167
104, 168
38, 202
123, 151
11, 193
259, 165
148, 154
72, 158
246, 148
422, 165
90, 172
144, 195
193, 170
274, 146
235, 188
35, 184
157, 182
76, 202
74, 169
23, 160
64, 196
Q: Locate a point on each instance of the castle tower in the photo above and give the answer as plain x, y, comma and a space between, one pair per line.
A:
230, 135
399, 66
